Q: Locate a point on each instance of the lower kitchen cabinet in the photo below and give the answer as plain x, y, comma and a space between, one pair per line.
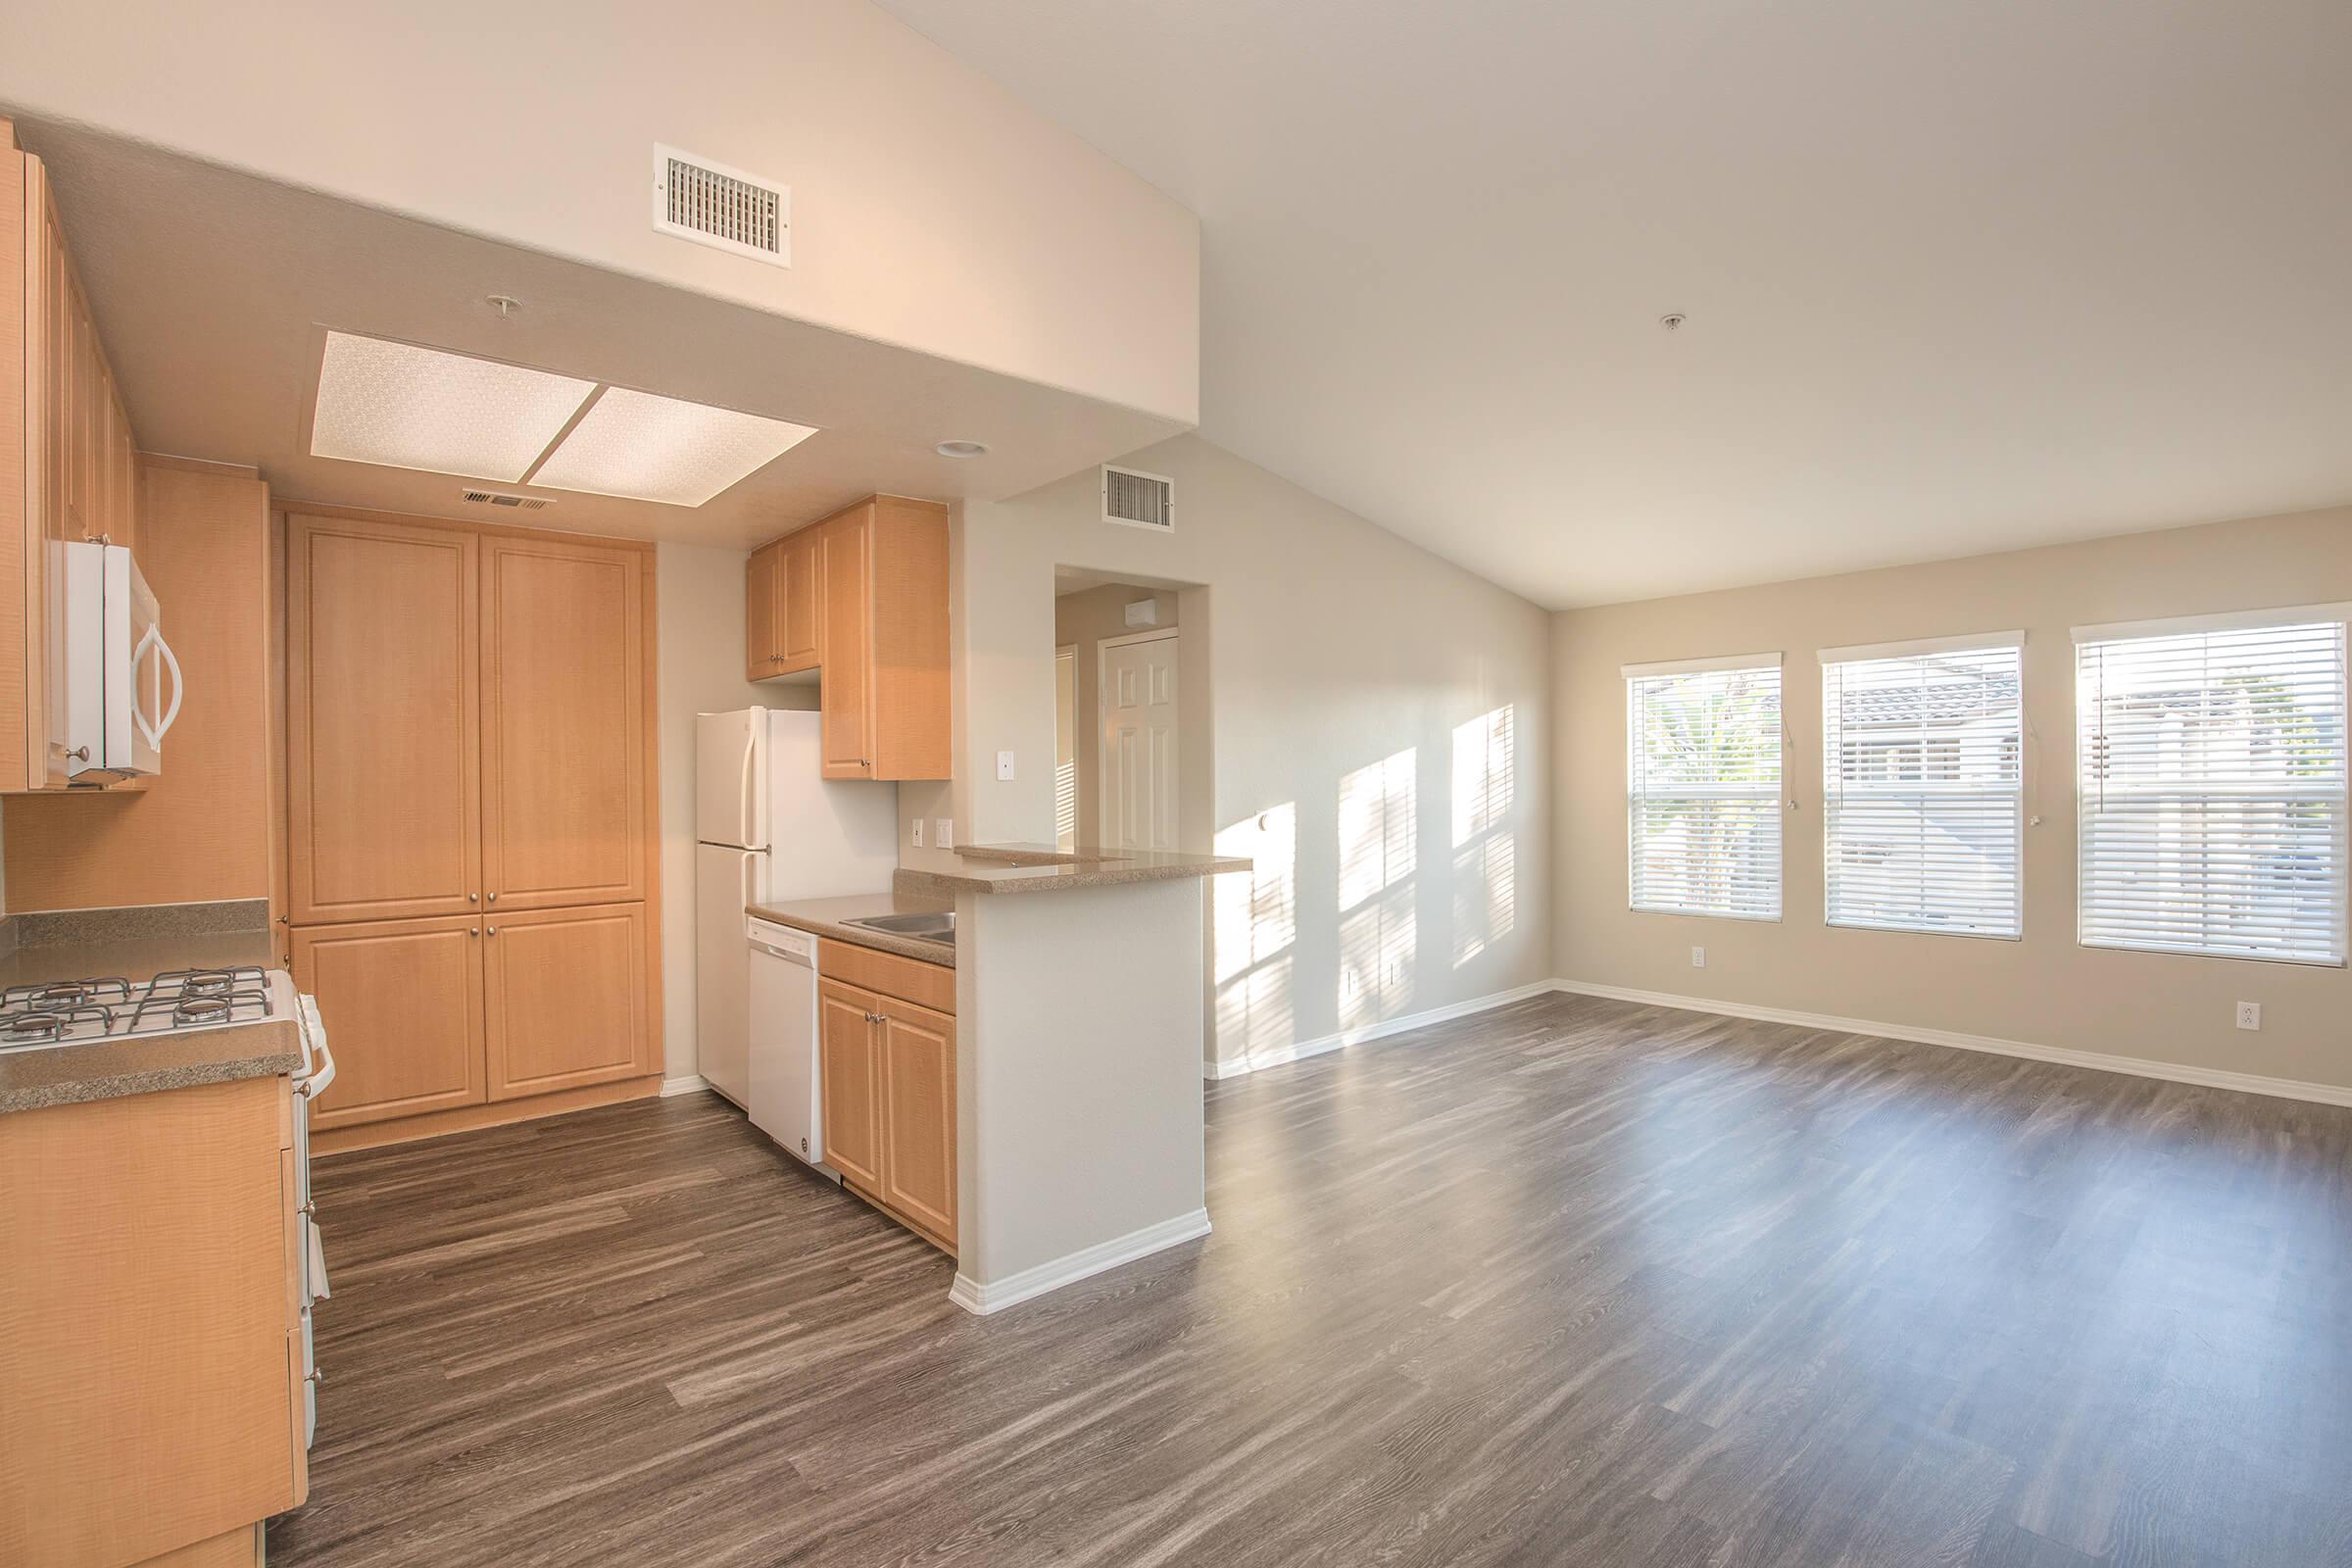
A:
443, 1013
401, 1001
565, 999
889, 1088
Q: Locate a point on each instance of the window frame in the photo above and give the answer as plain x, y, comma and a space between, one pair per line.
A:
1776, 793
2340, 615
1834, 784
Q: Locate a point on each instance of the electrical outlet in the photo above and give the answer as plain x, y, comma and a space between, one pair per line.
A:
1699, 957
915, 833
1003, 766
944, 832
2249, 1016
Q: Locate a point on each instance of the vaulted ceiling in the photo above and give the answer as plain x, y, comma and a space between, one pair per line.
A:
1954, 279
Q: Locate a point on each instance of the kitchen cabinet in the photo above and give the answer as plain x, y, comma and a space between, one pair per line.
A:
565, 993
783, 607
863, 599
153, 1308
851, 1065
564, 725
888, 1068
383, 739
470, 817
66, 460
403, 1003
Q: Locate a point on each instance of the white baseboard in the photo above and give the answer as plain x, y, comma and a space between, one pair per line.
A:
1013, 1288
2097, 1060
1275, 1056
692, 1083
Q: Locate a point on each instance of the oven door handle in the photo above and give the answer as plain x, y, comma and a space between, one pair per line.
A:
314, 1036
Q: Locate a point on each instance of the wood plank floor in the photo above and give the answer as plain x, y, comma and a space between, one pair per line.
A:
1572, 1282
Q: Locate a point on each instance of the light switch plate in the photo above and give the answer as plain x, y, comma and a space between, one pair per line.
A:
1003, 766
916, 832
1699, 957
944, 832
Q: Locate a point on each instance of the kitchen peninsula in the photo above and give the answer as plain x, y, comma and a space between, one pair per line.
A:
1080, 999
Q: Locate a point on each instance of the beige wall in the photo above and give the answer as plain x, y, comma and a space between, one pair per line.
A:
2043, 989
1325, 652
930, 208
700, 601
1082, 621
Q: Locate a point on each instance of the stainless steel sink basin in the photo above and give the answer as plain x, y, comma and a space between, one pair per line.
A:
939, 928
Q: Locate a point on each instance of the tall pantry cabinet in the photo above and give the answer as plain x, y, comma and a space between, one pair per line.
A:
471, 815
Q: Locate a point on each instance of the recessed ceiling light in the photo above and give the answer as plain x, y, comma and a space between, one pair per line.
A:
962, 448
406, 406
648, 448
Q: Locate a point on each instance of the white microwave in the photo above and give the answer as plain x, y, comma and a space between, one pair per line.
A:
114, 663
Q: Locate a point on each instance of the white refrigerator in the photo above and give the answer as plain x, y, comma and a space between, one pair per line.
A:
768, 828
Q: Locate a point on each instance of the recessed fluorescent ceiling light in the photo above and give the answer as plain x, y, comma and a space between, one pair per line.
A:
650, 448
410, 408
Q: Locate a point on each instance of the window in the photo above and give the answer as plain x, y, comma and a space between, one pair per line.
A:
1923, 773
1704, 786
2211, 785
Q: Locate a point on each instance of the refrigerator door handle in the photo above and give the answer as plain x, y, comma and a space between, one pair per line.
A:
744, 872
743, 793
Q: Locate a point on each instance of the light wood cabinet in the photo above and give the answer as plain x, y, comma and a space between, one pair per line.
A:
565, 996
383, 737
784, 606
472, 792
564, 731
863, 599
402, 1003
66, 460
851, 1075
150, 1385
888, 1069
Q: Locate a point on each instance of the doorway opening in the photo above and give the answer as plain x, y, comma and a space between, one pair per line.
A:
1126, 712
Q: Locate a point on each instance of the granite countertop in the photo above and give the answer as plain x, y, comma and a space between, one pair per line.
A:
33, 1077
137, 958
825, 917
1041, 868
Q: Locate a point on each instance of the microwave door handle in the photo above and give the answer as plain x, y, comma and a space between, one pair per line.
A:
155, 731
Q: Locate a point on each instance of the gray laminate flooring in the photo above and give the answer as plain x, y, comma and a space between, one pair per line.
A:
1572, 1282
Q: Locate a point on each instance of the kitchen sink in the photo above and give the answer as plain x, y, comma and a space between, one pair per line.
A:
938, 927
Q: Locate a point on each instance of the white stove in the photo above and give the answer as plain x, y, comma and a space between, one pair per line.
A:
69, 1011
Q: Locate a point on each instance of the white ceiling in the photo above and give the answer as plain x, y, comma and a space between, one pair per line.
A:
213, 291
1958, 277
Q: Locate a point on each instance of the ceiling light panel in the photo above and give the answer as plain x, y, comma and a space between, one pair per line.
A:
406, 406
648, 448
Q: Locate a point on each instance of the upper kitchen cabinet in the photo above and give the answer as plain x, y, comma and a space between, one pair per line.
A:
384, 754
862, 598
784, 603
67, 469
564, 731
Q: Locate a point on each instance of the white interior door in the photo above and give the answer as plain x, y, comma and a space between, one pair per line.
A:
1139, 740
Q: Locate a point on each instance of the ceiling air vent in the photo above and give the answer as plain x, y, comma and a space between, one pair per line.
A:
501, 498
1139, 500
711, 204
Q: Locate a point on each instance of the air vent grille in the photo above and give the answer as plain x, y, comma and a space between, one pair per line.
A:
711, 204
501, 498
1139, 500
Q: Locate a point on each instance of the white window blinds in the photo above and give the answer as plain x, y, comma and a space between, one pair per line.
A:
1922, 769
1703, 788
2212, 787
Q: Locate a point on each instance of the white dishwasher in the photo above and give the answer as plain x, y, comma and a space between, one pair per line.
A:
786, 1089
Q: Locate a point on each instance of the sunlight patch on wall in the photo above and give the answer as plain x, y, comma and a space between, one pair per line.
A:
1379, 852
1486, 896
1485, 858
1483, 752
1377, 837
1255, 921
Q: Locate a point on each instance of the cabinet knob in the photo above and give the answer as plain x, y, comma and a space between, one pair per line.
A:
473, 896
79, 753
493, 898
494, 930
473, 930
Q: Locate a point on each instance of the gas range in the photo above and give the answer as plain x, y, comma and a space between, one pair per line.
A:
70, 1012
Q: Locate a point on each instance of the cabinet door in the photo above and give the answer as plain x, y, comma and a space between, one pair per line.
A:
762, 603
401, 1001
847, 682
850, 1082
919, 1115
564, 779
800, 601
565, 999
383, 772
